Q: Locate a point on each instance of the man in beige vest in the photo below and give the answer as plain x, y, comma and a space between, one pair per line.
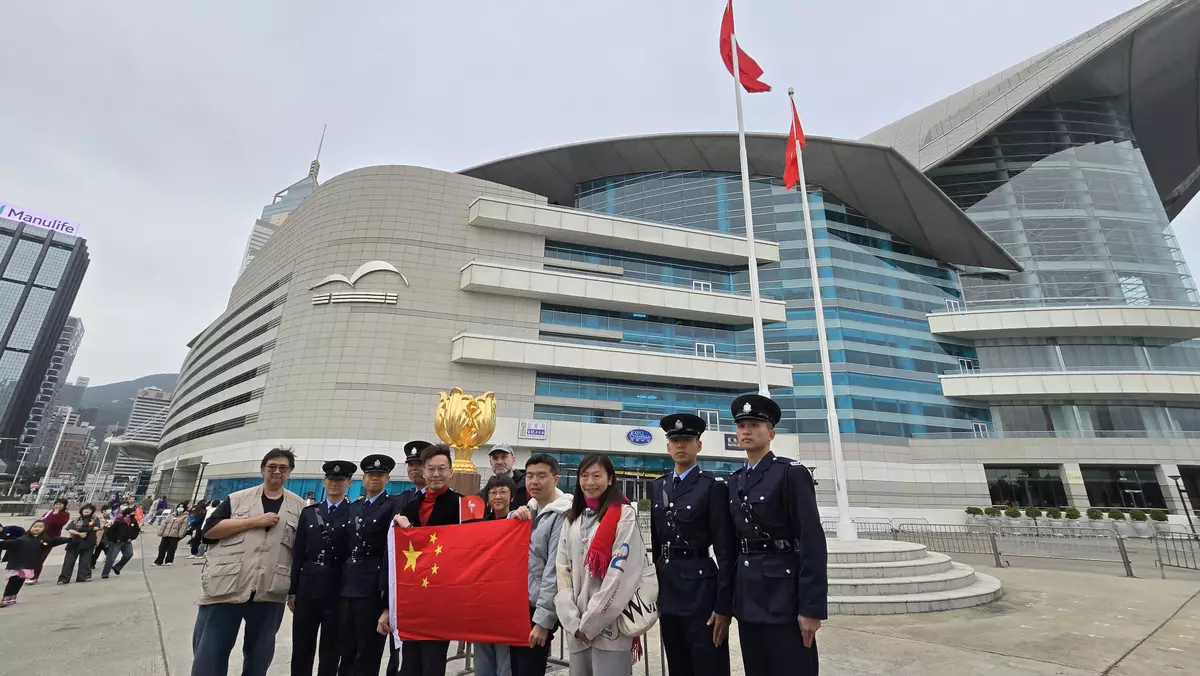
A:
247, 572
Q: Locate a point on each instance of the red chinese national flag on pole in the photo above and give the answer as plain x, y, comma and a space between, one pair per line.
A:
750, 70
460, 583
791, 169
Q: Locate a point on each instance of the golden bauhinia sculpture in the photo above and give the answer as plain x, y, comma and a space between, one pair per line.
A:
465, 423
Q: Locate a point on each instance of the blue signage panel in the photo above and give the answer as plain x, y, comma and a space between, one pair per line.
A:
639, 437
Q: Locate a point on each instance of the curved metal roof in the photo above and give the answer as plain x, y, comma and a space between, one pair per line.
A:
876, 180
1150, 53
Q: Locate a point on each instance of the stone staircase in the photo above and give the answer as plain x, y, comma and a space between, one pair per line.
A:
887, 577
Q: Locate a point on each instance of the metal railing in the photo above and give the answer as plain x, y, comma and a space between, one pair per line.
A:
1000, 541
1176, 550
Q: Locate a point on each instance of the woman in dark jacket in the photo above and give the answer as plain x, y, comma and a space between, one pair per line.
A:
56, 519
79, 546
24, 555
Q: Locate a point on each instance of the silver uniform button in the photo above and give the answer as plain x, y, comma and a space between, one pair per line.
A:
762, 497
747, 564
689, 506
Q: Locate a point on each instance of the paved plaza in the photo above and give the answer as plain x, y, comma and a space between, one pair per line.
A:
1051, 620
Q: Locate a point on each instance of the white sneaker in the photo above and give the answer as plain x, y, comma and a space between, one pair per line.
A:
193, 556
168, 564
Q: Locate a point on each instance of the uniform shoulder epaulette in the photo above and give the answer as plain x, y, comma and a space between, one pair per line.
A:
785, 461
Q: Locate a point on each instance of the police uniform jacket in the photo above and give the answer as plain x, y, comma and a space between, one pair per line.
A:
781, 568
365, 571
685, 522
320, 551
407, 496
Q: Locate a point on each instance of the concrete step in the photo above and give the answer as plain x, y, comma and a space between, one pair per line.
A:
873, 551
985, 590
934, 562
959, 576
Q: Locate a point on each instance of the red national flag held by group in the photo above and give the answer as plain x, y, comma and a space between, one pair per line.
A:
791, 159
750, 70
464, 582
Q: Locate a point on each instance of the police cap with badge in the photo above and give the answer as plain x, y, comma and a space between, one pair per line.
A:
378, 462
679, 425
339, 469
756, 407
412, 450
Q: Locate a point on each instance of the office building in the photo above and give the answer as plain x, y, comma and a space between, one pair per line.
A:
42, 263
281, 206
38, 435
1010, 319
71, 394
72, 451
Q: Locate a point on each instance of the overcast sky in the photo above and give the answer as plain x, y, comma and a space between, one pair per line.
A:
163, 128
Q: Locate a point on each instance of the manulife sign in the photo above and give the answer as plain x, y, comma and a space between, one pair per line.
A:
13, 212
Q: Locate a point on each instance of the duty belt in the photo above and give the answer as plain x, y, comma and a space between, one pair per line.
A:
767, 546
674, 552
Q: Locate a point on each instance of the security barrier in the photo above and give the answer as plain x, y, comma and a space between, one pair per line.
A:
1176, 550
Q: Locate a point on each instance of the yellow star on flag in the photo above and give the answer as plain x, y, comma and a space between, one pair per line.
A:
424, 582
434, 569
436, 551
433, 537
411, 555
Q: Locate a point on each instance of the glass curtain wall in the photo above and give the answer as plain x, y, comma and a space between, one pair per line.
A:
877, 290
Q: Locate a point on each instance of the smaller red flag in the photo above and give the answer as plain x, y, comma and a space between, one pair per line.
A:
460, 583
791, 170
471, 508
750, 70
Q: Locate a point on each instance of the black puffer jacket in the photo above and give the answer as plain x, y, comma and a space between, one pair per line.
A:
26, 551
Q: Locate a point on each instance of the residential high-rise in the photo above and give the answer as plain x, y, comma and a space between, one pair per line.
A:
38, 435
42, 263
72, 450
1009, 318
281, 206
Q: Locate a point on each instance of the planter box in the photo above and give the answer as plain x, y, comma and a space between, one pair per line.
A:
1100, 524
1142, 529
1124, 528
1162, 526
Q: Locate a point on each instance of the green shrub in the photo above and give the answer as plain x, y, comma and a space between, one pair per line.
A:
1013, 512
1072, 513
644, 505
1033, 513
1158, 515
1137, 515
993, 511
1116, 515
1054, 513
1095, 514
974, 511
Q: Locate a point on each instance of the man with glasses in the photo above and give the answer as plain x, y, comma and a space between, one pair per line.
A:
247, 571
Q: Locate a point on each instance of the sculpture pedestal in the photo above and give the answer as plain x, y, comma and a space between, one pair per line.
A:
466, 483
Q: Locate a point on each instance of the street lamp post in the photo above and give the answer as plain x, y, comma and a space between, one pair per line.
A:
65, 412
1184, 499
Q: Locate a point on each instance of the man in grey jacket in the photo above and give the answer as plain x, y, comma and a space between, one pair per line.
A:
547, 507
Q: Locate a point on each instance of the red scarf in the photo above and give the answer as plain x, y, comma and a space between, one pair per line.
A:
426, 508
599, 554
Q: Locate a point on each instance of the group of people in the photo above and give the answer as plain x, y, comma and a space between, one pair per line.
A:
749, 547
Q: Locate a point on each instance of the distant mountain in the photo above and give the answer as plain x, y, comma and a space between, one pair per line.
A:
115, 400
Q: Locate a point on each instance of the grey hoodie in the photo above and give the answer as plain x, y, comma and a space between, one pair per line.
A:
543, 549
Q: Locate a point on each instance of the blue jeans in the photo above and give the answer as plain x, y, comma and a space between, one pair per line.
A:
492, 660
125, 549
217, 627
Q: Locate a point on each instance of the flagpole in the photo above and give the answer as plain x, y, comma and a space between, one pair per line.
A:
760, 351
846, 532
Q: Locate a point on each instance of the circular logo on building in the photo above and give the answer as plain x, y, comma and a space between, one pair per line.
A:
639, 437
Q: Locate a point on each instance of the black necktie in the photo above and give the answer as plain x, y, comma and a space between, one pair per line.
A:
332, 509
675, 483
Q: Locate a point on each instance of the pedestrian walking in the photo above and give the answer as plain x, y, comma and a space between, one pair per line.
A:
547, 508
120, 535
55, 520
247, 572
24, 554
600, 560
170, 533
82, 532
781, 586
690, 515
317, 559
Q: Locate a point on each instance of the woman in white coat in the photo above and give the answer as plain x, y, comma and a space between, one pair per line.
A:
600, 562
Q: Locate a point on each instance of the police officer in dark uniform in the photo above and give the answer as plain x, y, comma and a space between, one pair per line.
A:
317, 559
690, 515
364, 579
781, 585
412, 460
